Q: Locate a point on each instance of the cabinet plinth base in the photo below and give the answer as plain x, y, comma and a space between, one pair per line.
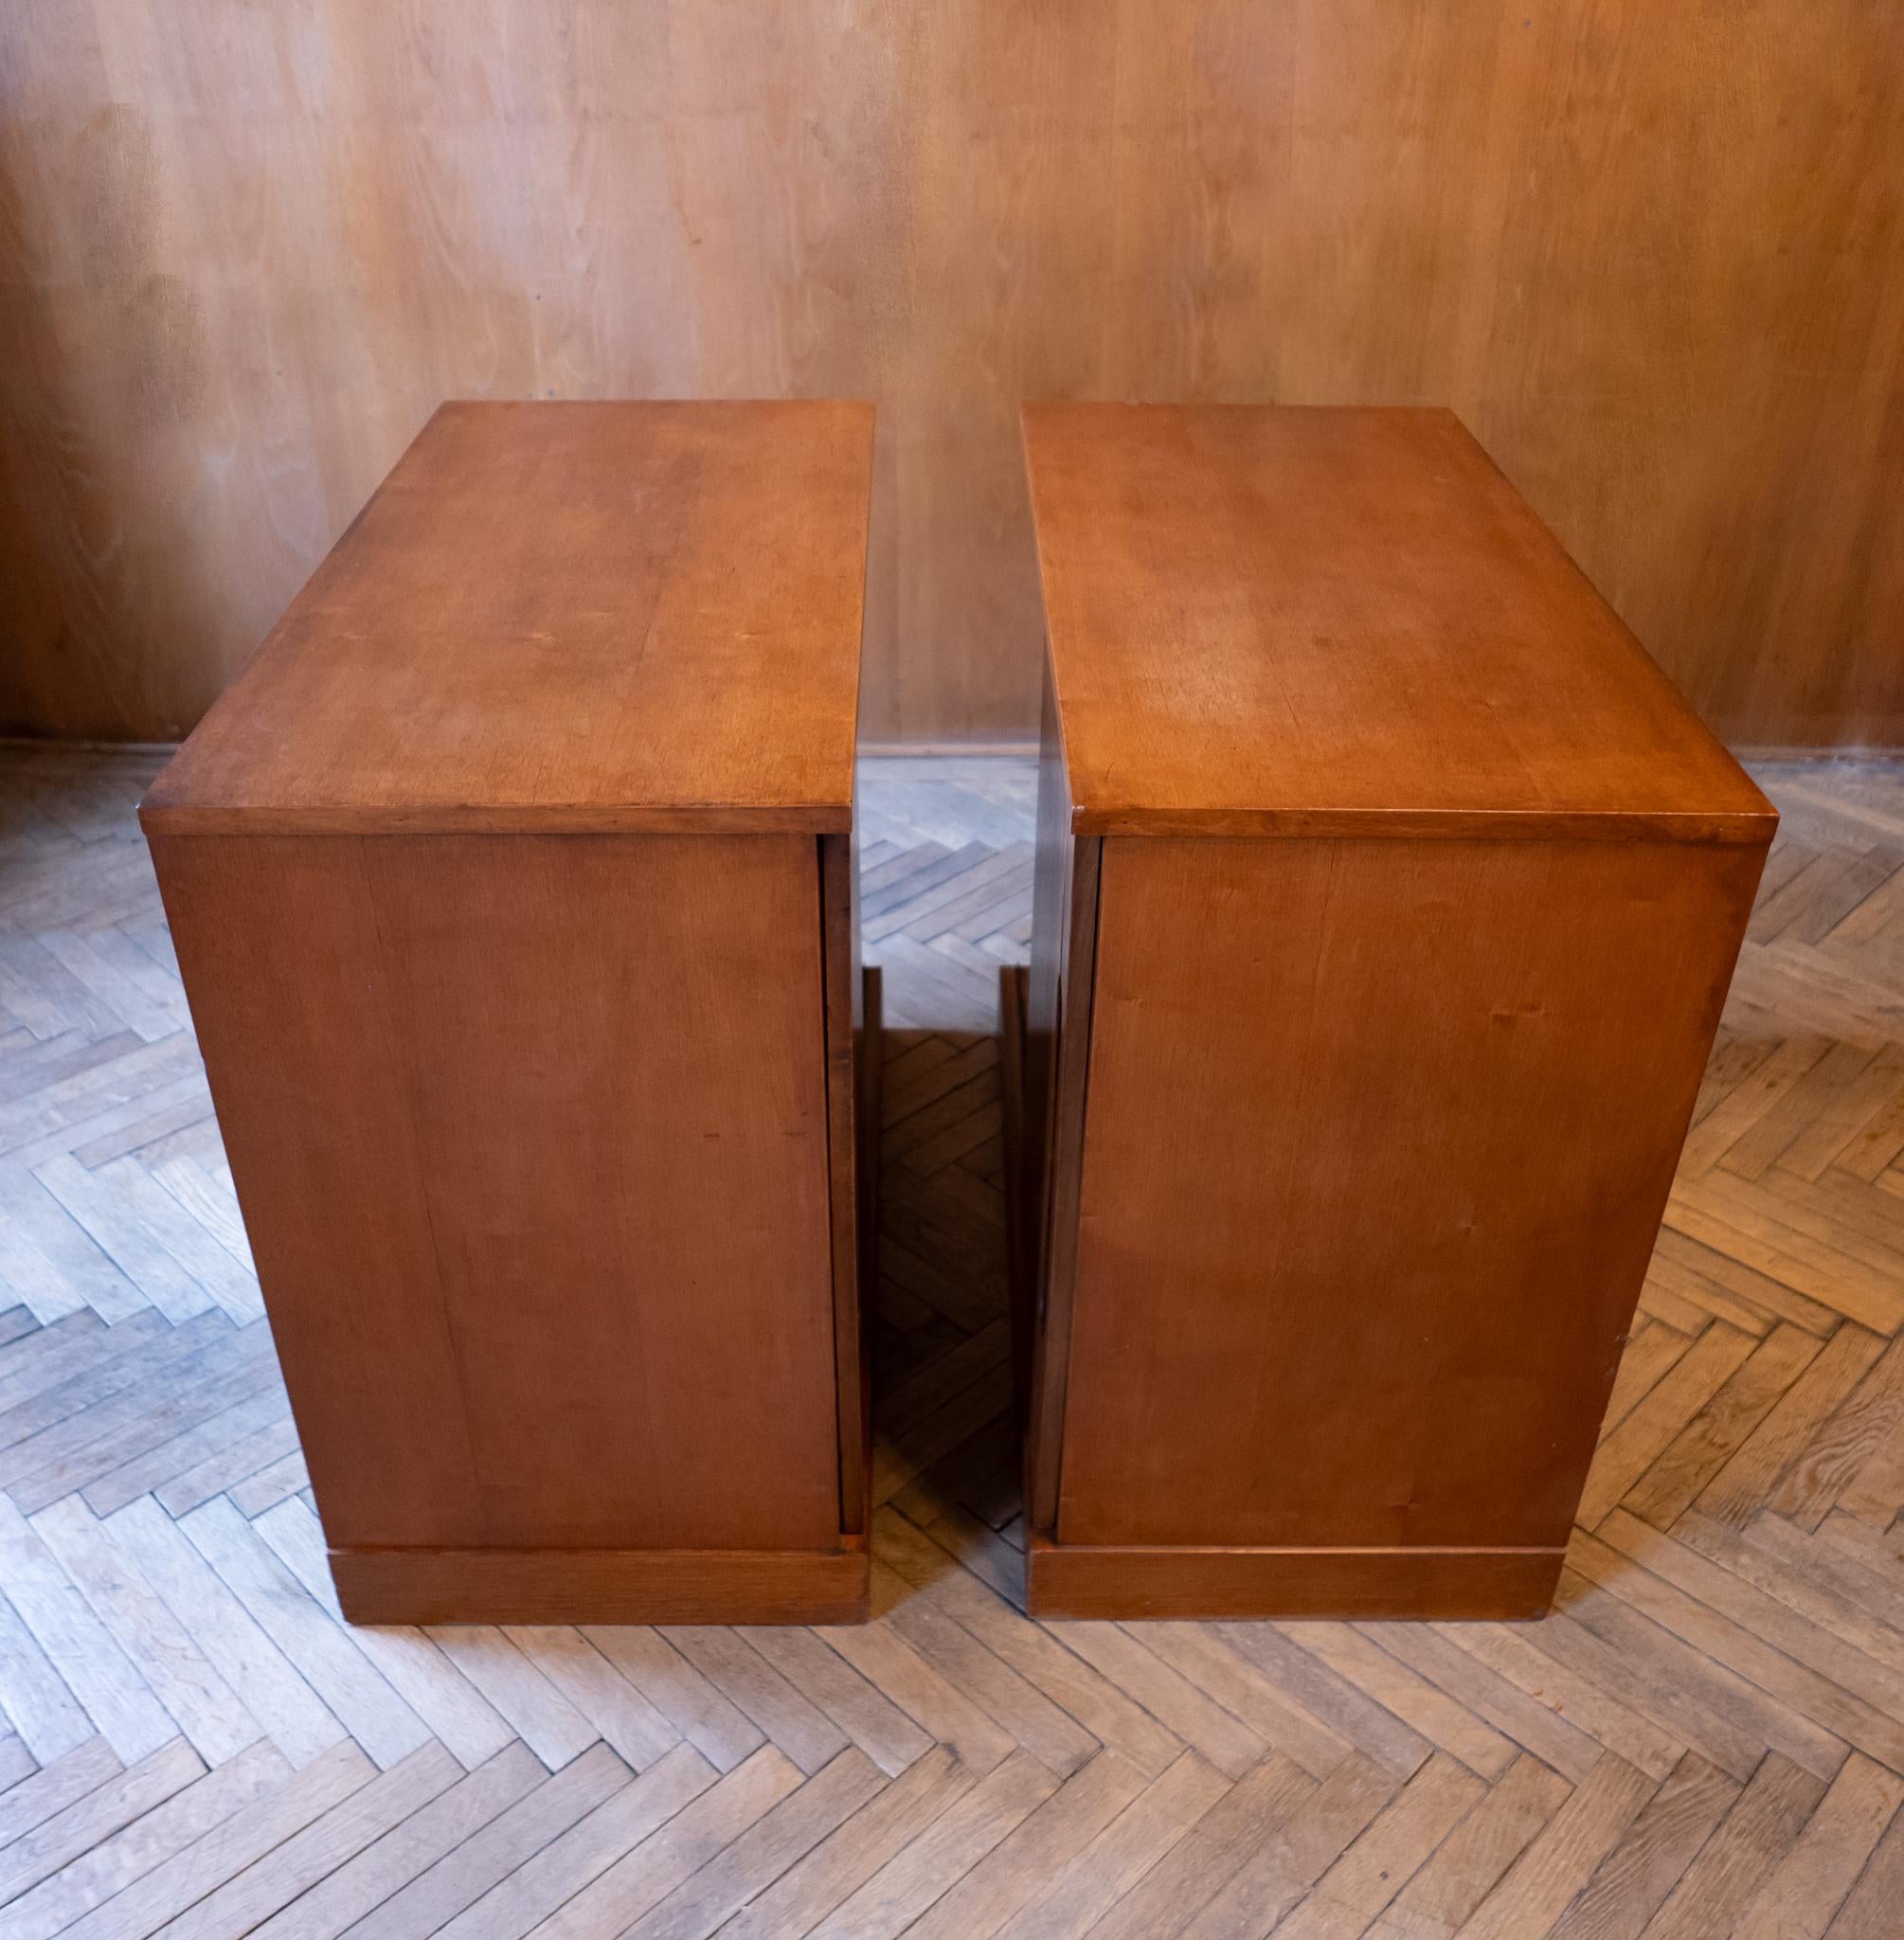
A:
1083, 1580
418, 1586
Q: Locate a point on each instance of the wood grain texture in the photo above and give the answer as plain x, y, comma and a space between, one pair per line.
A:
602, 1586
1022, 1220
1182, 1582
563, 618
490, 805
1343, 623
1060, 991
1406, 1779
1375, 1150
856, 1394
1400, 966
506, 1315
848, 1049
1651, 260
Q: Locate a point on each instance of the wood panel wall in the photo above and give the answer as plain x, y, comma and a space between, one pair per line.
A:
1652, 251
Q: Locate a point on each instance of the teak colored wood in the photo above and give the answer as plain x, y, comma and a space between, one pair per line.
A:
512, 885
1387, 899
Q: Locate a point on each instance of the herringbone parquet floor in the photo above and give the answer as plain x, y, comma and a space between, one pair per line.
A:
1707, 1739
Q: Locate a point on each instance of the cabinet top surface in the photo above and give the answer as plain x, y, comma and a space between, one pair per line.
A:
565, 617
1337, 620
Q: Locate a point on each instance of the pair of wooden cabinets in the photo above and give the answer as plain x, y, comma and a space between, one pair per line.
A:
1387, 895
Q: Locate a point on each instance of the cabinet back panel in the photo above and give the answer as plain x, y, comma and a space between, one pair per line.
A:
530, 1139
1377, 1138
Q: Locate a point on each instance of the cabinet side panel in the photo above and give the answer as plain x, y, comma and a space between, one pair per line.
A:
278, 942
845, 1022
529, 1134
1057, 1040
1050, 918
1377, 1140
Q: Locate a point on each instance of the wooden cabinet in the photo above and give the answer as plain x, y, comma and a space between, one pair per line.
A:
1387, 899
511, 884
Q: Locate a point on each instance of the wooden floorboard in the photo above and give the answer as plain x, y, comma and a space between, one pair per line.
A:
1707, 1739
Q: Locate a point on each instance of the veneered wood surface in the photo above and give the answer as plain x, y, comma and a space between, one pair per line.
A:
1651, 254
846, 1051
1023, 1222
855, 1396
531, 1136
1058, 995
1183, 1582
602, 1586
1332, 621
1376, 1145
565, 617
